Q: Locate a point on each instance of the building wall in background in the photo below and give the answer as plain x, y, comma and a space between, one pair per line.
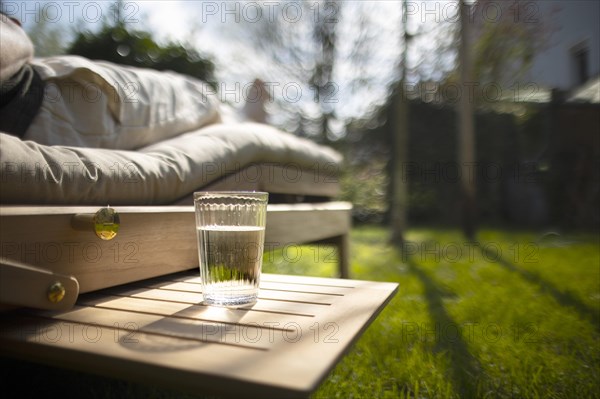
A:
574, 48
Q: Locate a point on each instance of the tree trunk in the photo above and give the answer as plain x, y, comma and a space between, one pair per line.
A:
399, 160
466, 131
400, 134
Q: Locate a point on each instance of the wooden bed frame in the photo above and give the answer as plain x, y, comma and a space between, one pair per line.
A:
158, 240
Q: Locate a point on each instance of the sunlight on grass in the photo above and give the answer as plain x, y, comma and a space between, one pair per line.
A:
515, 314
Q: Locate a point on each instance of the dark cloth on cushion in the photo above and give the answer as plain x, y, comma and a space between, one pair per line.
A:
20, 99
21, 88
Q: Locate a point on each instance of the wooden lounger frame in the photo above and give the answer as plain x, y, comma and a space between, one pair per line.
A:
152, 241
159, 240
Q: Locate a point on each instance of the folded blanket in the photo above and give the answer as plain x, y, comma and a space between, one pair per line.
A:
100, 104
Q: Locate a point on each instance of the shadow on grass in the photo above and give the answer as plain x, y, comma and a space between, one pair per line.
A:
563, 298
465, 369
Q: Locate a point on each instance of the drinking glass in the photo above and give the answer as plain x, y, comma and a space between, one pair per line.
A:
230, 227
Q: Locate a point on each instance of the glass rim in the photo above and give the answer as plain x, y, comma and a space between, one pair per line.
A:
231, 193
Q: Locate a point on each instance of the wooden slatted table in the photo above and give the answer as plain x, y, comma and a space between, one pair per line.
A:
158, 331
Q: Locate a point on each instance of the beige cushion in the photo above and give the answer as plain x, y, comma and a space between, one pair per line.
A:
100, 104
33, 173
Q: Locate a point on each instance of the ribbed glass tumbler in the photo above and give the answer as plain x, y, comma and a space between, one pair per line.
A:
230, 228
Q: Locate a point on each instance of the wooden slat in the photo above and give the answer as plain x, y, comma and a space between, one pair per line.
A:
191, 298
255, 351
174, 327
267, 294
187, 311
295, 224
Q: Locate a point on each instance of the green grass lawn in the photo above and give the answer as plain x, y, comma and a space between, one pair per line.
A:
513, 315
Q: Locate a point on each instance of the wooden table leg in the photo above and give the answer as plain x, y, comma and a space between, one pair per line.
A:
342, 243
344, 255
